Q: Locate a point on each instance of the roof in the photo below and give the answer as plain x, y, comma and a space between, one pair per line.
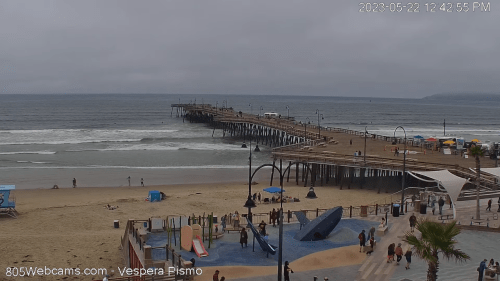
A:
449, 181
493, 171
7, 187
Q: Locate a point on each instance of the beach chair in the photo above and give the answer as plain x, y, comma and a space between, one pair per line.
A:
7, 203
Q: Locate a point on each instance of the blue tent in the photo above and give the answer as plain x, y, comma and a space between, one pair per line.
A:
273, 189
154, 195
418, 137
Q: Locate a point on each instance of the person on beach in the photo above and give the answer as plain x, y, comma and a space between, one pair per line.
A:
350, 142
408, 258
390, 252
481, 268
413, 221
413, 198
243, 237
259, 197
254, 197
274, 214
216, 276
362, 240
489, 205
491, 264
74, 182
399, 253
128, 180
441, 204
142, 182
287, 271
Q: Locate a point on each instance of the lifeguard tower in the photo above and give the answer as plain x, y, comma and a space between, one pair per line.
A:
7, 205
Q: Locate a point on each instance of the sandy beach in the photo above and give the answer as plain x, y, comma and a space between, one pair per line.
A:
70, 228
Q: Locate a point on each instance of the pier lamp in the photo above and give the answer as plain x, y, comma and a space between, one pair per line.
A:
364, 155
250, 108
250, 203
287, 112
404, 169
319, 127
305, 129
216, 104
260, 112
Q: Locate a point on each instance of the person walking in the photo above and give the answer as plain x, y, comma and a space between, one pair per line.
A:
413, 197
74, 182
390, 253
216, 276
259, 197
408, 258
142, 182
223, 222
441, 204
243, 237
362, 240
128, 180
399, 253
274, 214
371, 233
481, 268
287, 271
489, 205
413, 221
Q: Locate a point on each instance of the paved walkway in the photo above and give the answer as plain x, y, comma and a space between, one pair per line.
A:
338, 274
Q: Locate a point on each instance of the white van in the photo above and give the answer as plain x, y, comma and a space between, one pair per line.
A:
270, 114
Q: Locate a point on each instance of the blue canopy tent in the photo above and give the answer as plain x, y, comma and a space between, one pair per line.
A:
7, 207
273, 189
154, 195
418, 137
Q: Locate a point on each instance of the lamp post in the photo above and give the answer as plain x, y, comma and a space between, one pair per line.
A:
305, 129
216, 104
287, 112
404, 169
364, 154
319, 127
250, 203
250, 108
260, 111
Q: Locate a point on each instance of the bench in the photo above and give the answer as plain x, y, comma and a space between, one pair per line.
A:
381, 231
445, 217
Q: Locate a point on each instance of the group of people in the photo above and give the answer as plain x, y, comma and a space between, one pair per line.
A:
216, 276
275, 217
397, 251
492, 269
142, 181
257, 197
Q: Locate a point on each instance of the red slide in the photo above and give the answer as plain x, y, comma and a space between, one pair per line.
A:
198, 247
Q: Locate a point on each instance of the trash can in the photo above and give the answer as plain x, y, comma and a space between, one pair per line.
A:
364, 211
117, 224
417, 205
395, 210
423, 209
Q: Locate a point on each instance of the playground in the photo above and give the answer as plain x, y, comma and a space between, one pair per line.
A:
227, 251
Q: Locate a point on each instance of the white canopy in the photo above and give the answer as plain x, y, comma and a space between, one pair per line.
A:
449, 181
493, 171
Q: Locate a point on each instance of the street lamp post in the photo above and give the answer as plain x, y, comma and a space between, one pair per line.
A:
250, 108
250, 203
260, 111
319, 126
364, 154
305, 129
287, 112
404, 169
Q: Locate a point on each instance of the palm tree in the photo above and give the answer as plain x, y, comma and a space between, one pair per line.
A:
435, 238
476, 151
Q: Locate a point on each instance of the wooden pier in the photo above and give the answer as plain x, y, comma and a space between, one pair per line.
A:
328, 154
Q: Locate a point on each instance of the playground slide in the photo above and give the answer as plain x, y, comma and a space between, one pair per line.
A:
302, 218
320, 227
198, 247
263, 244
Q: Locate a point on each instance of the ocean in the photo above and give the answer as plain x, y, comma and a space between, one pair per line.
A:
101, 139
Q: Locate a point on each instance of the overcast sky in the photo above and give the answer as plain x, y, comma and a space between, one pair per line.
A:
282, 47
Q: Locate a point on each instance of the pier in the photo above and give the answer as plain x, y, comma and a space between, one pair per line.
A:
330, 155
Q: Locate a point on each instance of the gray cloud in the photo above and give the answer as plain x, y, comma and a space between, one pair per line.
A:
244, 47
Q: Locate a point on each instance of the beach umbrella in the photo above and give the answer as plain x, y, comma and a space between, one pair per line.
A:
431, 139
418, 137
449, 142
273, 189
475, 140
